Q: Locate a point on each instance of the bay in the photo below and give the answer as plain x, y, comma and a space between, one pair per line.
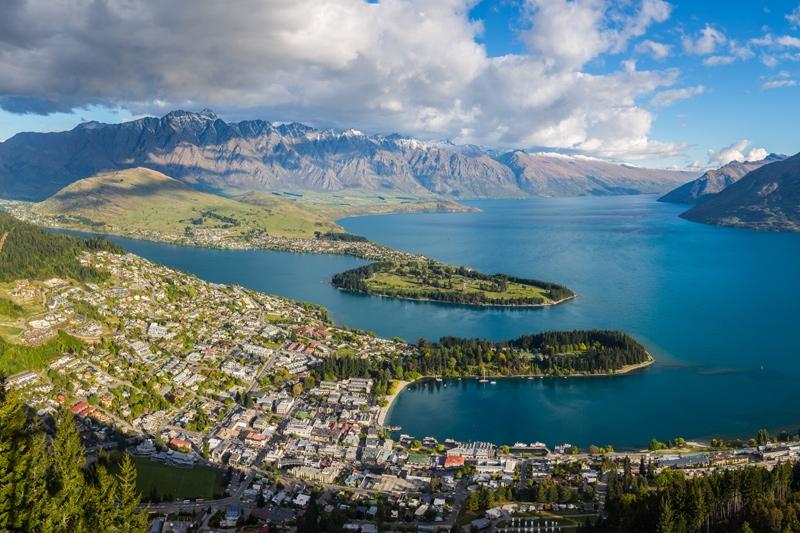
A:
717, 307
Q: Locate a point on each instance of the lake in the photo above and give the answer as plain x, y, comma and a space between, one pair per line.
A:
717, 307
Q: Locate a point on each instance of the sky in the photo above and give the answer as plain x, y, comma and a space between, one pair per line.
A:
682, 84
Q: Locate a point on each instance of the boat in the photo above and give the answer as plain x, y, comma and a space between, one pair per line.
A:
493, 383
439, 380
483, 380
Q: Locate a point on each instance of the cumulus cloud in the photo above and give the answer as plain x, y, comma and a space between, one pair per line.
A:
715, 61
667, 98
412, 66
654, 49
706, 42
793, 18
736, 152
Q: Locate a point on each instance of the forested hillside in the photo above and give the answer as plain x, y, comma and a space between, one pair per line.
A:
748, 500
28, 251
45, 485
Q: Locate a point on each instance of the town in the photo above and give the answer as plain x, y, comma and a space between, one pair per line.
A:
198, 377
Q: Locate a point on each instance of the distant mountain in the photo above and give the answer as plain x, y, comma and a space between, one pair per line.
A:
714, 181
767, 198
544, 174
204, 151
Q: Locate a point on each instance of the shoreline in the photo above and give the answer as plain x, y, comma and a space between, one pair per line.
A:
399, 387
465, 304
401, 384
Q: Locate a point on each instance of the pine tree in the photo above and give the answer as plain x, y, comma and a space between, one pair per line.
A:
70, 497
13, 449
130, 517
666, 517
104, 510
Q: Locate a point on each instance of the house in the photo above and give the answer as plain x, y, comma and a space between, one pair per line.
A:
301, 500
454, 461
480, 523
180, 444
284, 406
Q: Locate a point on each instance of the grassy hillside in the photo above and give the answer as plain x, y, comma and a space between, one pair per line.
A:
146, 200
27, 251
334, 205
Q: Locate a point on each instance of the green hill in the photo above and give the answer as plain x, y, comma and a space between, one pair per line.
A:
144, 200
27, 251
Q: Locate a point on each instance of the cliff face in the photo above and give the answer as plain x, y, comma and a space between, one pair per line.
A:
202, 150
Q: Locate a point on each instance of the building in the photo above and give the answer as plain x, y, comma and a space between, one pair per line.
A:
474, 450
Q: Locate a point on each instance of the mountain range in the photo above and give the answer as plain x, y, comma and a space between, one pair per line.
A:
204, 151
767, 198
714, 181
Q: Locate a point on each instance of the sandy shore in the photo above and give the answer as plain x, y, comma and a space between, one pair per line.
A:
398, 388
630, 368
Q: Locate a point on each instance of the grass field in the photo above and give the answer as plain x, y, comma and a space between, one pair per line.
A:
335, 205
143, 200
429, 280
172, 482
400, 283
146, 200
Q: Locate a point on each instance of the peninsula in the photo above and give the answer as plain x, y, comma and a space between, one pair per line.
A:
429, 280
145, 204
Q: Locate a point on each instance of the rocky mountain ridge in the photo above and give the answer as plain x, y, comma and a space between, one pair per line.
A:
205, 151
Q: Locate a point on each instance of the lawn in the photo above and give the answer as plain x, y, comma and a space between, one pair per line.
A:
400, 282
176, 483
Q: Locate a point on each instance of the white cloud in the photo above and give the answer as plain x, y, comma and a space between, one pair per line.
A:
667, 98
715, 61
655, 49
412, 66
769, 61
794, 17
736, 152
788, 41
778, 84
706, 43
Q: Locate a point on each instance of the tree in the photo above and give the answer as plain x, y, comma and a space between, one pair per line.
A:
47, 487
66, 512
129, 515
666, 518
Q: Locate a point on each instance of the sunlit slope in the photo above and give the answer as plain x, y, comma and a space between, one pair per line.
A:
147, 200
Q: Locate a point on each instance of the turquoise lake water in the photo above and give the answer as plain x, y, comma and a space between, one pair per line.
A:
718, 308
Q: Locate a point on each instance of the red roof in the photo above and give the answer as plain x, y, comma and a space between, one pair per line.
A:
78, 407
452, 461
180, 443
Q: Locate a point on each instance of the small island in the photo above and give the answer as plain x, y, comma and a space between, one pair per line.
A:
429, 280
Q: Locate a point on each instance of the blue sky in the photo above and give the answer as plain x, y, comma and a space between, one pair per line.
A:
653, 82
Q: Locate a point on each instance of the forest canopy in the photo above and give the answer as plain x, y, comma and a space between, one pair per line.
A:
31, 252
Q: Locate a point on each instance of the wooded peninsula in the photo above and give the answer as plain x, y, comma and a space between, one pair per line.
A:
552, 353
426, 279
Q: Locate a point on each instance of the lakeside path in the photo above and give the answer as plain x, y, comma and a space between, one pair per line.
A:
400, 385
